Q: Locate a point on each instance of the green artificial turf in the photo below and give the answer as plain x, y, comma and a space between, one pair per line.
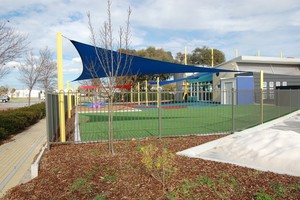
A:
176, 121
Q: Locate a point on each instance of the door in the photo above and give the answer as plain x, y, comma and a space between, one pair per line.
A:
227, 92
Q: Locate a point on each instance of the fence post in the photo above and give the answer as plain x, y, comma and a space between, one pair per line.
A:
131, 95
138, 88
261, 97
157, 88
69, 100
146, 92
261, 106
159, 114
232, 110
290, 100
48, 119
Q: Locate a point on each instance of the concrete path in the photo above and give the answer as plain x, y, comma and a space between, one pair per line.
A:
273, 146
17, 156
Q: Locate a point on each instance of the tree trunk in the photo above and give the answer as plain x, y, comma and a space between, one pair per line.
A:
29, 97
110, 125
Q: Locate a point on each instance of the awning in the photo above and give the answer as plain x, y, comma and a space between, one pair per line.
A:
192, 78
93, 59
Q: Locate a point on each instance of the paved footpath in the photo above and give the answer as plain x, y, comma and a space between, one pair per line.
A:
17, 156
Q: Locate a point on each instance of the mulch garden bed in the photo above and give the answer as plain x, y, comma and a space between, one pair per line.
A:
87, 171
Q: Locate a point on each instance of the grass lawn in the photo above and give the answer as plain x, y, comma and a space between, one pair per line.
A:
186, 121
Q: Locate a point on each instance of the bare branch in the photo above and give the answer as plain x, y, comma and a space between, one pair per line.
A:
115, 66
12, 45
47, 77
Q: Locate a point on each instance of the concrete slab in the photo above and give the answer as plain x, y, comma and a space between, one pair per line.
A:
273, 146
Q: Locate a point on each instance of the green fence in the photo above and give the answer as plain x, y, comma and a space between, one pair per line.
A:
152, 114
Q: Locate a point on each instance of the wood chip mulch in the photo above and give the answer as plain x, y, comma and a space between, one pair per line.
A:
86, 171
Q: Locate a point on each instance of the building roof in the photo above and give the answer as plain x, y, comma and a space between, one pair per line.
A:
267, 60
272, 65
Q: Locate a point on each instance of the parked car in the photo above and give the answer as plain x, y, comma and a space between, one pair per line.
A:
4, 98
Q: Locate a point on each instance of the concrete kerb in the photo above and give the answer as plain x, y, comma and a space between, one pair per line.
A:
194, 151
35, 165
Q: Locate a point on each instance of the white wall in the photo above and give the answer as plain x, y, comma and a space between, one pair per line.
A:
25, 93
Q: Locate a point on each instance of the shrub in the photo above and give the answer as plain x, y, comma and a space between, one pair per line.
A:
3, 133
159, 164
14, 121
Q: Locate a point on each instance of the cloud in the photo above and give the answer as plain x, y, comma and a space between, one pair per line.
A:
266, 25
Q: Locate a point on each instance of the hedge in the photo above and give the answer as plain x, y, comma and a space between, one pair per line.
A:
14, 121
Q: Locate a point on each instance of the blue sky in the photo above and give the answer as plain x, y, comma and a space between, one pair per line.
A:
266, 25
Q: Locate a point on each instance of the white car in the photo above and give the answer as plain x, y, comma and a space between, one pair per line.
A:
4, 99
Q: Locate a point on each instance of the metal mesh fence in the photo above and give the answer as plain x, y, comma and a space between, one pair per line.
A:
162, 113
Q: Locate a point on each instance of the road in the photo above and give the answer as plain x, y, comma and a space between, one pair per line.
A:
15, 103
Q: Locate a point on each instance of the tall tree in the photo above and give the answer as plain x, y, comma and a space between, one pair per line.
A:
31, 70
3, 90
48, 74
202, 56
156, 54
110, 64
12, 45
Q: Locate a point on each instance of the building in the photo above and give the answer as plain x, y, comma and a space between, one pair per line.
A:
277, 72
25, 93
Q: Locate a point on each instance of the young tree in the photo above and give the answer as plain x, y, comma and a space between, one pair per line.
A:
30, 72
12, 45
110, 63
48, 74
12, 91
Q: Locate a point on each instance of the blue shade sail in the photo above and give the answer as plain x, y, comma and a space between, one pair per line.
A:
94, 60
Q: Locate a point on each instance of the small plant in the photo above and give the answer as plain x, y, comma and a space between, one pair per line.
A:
55, 170
171, 195
295, 186
279, 190
82, 185
159, 164
261, 195
110, 175
204, 180
94, 152
99, 197
185, 189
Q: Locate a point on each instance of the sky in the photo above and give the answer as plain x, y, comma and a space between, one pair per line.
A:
268, 26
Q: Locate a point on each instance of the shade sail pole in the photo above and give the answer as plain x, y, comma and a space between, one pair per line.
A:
61, 103
261, 97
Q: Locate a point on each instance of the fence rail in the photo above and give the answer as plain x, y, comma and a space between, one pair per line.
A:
163, 114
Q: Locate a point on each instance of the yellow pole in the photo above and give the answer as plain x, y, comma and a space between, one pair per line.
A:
258, 53
281, 55
69, 100
236, 53
212, 57
61, 103
157, 89
138, 87
262, 97
131, 95
146, 91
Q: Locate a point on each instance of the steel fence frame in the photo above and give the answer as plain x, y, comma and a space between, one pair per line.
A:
162, 110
